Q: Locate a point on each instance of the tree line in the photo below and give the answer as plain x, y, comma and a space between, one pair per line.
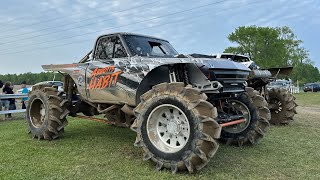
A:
30, 78
272, 47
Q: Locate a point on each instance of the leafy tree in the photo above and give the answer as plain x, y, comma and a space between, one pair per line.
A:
274, 47
268, 46
305, 72
30, 78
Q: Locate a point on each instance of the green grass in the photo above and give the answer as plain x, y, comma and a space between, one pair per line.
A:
311, 99
91, 150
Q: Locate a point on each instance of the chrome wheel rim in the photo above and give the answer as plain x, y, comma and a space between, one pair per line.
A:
168, 128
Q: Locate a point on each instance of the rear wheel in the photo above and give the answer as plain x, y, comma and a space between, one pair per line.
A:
175, 127
283, 106
253, 108
46, 113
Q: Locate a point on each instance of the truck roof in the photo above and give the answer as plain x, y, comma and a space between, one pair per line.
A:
134, 34
241, 55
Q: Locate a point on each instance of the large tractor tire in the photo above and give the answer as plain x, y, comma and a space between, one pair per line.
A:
254, 109
46, 113
283, 106
176, 128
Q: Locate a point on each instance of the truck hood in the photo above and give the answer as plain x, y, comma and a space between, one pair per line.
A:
200, 62
151, 63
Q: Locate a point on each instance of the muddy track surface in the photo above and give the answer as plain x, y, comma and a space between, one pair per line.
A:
309, 110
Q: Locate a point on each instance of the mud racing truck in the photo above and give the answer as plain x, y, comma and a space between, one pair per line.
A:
281, 102
178, 106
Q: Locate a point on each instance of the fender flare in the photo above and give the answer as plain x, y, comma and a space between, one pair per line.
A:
160, 74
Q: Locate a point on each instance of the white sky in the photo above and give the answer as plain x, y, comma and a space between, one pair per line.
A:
29, 29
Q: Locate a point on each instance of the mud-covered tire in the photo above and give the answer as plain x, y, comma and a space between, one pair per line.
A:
259, 121
286, 106
201, 144
46, 113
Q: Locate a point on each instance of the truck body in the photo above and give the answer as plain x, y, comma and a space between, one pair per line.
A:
122, 77
178, 105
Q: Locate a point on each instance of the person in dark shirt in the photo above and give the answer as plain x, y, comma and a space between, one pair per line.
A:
9, 104
1, 85
12, 105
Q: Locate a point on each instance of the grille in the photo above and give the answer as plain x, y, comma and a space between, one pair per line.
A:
232, 80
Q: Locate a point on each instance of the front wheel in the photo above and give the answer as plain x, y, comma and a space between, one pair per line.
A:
253, 108
176, 128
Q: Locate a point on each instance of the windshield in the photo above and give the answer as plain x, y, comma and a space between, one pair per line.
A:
278, 83
235, 58
57, 83
150, 47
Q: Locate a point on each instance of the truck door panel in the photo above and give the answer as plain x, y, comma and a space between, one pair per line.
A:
104, 84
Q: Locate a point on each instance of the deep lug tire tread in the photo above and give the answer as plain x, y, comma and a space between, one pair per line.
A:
288, 106
56, 112
259, 122
204, 144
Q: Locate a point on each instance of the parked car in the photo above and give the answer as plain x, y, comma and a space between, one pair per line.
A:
52, 83
312, 87
19, 91
284, 84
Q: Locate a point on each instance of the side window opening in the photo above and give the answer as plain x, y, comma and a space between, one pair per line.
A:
119, 50
241, 59
110, 47
226, 56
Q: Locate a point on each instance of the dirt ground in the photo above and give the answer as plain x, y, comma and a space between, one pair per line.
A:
309, 110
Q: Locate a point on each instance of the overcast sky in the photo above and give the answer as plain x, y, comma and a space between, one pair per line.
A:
39, 32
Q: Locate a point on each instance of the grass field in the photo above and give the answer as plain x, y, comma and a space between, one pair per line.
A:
308, 99
91, 150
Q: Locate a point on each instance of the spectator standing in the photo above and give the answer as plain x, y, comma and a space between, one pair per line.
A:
12, 105
7, 89
1, 85
24, 91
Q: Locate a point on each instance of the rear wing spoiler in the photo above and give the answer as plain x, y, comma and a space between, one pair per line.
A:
282, 71
58, 67
62, 67
270, 73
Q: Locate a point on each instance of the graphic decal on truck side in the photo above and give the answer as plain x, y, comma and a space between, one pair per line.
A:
101, 77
